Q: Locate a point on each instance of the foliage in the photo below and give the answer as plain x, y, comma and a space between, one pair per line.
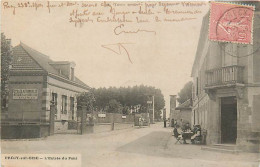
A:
86, 99
128, 97
185, 93
114, 106
6, 59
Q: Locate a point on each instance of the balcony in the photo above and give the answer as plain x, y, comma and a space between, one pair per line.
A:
225, 76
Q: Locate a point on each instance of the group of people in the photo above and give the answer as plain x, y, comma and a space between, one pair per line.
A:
185, 132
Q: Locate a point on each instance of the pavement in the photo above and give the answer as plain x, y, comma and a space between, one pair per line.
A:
135, 147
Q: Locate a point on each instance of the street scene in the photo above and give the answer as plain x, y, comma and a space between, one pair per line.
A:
123, 84
131, 147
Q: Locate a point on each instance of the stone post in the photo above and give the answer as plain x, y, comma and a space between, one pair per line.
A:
83, 119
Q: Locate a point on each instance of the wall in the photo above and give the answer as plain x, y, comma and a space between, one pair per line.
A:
172, 108
183, 114
113, 117
62, 88
256, 56
24, 131
25, 109
100, 128
60, 126
248, 120
186, 115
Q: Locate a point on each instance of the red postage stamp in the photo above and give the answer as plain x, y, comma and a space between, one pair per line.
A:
231, 23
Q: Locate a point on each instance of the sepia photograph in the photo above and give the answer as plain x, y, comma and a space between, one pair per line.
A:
130, 83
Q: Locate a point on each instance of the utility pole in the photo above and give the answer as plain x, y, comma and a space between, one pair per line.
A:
150, 106
153, 108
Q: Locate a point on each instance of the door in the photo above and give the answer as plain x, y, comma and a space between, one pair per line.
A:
228, 120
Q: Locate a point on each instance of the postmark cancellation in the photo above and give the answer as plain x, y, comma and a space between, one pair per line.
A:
231, 23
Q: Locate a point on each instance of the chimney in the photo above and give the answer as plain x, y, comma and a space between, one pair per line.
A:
172, 102
172, 105
172, 109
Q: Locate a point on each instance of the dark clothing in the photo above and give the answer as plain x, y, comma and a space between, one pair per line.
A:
175, 132
186, 128
196, 138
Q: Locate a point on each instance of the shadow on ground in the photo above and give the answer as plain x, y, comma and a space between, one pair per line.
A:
162, 144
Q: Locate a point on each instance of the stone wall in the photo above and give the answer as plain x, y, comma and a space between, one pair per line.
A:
60, 126
99, 128
24, 131
248, 124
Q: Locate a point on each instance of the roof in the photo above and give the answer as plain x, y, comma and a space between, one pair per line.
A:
185, 105
25, 58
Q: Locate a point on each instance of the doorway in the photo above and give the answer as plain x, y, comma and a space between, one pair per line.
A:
228, 120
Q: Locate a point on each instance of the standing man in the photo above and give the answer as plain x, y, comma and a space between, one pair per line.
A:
164, 117
140, 122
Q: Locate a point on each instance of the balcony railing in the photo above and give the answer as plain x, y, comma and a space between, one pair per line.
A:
224, 76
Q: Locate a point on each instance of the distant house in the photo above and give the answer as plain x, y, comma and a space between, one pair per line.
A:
36, 81
183, 112
226, 89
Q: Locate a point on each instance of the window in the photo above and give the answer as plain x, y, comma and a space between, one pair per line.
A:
64, 104
4, 103
72, 107
54, 100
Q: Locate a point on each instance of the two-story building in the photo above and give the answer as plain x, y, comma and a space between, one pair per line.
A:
35, 82
226, 89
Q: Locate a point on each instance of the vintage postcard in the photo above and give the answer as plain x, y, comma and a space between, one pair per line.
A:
130, 83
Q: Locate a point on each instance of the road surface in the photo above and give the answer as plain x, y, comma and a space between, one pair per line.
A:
136, 147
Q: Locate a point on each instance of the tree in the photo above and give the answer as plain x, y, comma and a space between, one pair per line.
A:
126, 110
86, 99
6, 59
185, 93
114, 106
128, 97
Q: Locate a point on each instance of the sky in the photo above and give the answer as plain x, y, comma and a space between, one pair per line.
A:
163, 60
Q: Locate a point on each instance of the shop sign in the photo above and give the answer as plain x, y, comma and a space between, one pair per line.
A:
102, 115
25, 94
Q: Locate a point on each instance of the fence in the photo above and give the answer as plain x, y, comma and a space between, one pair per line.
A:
100, 122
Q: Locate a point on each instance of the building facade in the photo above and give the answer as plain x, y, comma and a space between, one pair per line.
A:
183, 113
173, 114
36, 82
226, 89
